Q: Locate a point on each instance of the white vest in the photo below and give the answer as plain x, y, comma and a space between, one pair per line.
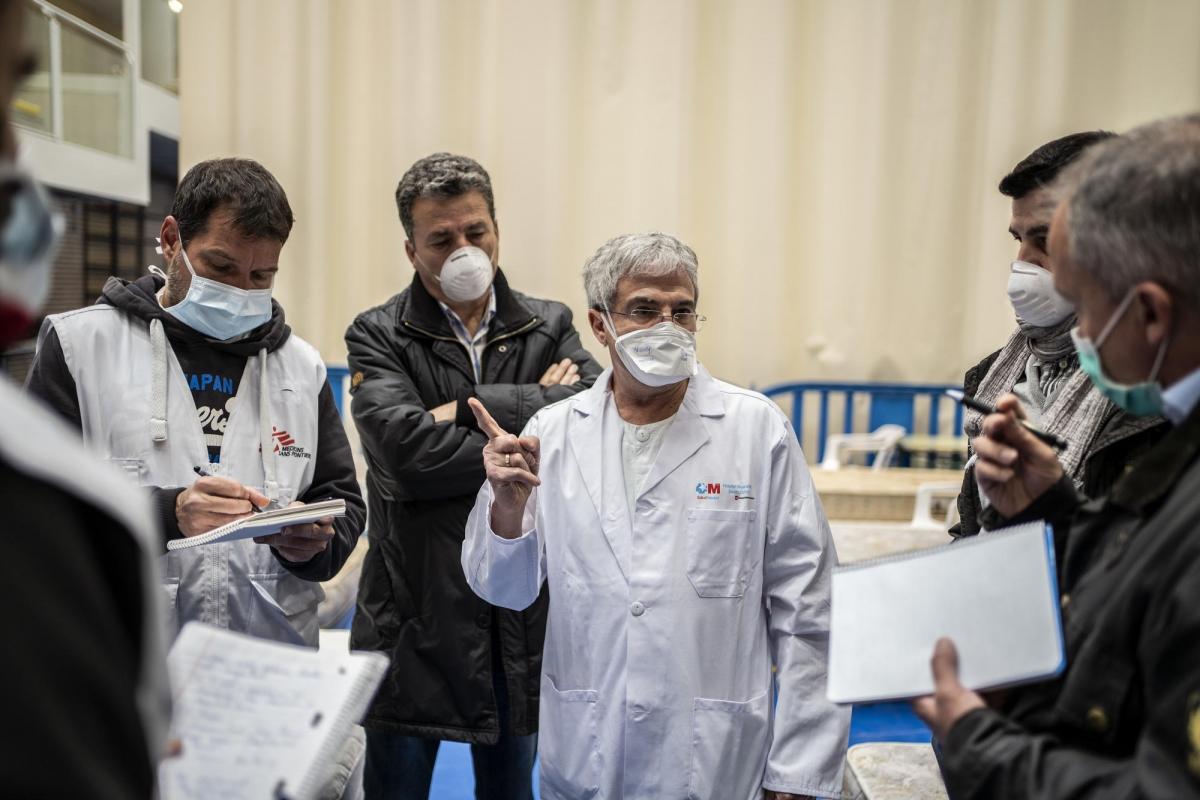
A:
39, 445
138, 412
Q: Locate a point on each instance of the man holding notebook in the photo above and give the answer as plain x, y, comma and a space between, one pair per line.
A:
1123, 720
193, 384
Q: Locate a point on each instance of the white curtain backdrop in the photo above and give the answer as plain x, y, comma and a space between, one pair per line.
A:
834, 164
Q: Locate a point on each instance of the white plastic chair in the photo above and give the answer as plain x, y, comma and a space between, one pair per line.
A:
883, 442
923, 507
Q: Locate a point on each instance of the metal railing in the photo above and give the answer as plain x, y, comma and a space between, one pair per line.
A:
84, 93
889, 404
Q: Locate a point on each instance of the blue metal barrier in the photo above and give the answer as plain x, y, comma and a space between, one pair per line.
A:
890, 403
339, 382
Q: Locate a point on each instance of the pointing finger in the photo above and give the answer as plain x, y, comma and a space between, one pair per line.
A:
486, 423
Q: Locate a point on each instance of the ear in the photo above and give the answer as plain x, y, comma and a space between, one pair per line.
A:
596, 322
411, 252
168, 236
1156, 310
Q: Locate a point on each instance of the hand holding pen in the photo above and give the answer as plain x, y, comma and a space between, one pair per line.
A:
983, 408
1014, 465
213, 501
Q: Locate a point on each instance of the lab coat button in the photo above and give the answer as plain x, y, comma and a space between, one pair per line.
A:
637, 609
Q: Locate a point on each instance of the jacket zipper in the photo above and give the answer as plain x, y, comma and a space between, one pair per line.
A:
528, 325
489, 343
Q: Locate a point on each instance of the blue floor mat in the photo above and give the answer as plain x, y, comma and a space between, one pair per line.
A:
453, 778
887, 722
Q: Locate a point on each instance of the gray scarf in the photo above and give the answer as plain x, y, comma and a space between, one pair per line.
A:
1076, 411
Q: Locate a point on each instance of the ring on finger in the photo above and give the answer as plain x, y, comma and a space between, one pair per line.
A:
508, 459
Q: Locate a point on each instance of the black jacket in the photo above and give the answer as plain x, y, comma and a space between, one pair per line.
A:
51, 381
1122, 440
71, 578
422, 479
1124, 719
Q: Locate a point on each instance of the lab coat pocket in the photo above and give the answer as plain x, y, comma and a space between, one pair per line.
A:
718, 550
729, 747
568, 741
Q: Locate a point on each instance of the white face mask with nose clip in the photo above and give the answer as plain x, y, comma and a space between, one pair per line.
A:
1033, 296
659, 356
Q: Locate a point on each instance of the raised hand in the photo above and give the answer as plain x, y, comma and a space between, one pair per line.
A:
511, 464
1014, 467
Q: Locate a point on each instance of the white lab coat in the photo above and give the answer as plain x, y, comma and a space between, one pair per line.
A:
665, 618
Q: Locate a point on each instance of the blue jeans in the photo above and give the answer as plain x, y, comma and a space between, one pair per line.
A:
401, 767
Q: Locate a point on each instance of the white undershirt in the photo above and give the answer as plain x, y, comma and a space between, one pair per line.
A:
639, 447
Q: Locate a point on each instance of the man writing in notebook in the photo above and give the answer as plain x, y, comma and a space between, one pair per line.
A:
1124, 718
195, 386
675, 523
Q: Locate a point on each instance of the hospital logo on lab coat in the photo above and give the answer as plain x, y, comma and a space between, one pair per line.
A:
708, 491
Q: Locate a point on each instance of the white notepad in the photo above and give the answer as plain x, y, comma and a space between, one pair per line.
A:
995, 595
264, 523
259, 719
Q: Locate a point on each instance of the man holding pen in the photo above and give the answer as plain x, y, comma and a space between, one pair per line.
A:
1124, 718
193, 384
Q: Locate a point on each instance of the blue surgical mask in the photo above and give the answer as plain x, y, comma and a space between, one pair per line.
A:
1139, 399
29, 239
220, 311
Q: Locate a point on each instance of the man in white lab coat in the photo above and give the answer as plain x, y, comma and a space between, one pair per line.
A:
686, 552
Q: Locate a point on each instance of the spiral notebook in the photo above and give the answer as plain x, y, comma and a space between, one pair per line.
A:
995, 595
259, 719
264, 523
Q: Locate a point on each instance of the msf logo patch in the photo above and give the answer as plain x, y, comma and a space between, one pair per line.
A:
286, 446
708, 491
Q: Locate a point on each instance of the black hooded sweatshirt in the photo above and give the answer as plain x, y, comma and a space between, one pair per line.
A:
214, 370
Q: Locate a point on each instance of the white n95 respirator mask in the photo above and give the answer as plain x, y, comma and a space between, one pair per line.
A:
466, 274
659, 356
1033, 296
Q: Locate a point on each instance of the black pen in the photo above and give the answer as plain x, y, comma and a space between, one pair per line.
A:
985, 409
203, 473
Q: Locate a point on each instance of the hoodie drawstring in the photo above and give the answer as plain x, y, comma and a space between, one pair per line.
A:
158, 382
266, 432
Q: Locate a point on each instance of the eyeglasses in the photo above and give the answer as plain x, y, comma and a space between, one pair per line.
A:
645, 317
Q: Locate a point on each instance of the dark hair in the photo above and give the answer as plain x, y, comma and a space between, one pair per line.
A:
243, 187
1040, 167
442, 175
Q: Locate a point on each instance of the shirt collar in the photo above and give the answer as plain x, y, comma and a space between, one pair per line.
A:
452, 315
1180, 398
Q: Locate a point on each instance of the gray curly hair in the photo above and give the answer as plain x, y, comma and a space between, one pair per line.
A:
442, 175
648, 254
